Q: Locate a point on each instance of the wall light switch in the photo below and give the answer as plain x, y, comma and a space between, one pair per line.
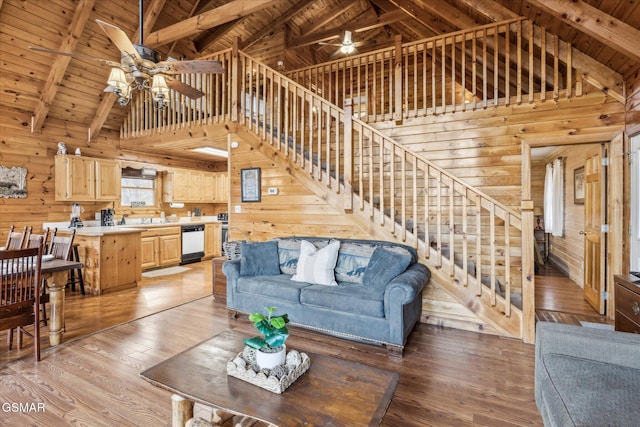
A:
272, 190
237, 208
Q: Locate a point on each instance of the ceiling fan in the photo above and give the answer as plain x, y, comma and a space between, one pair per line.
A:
140, 68
347, 46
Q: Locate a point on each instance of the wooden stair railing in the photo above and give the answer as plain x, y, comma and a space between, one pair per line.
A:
471, 242
485, 66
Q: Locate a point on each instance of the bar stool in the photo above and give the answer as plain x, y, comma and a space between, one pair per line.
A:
75, 275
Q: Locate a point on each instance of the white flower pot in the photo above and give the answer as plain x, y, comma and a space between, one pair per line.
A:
271, 360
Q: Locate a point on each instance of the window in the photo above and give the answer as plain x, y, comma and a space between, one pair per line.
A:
138, 192
635, 203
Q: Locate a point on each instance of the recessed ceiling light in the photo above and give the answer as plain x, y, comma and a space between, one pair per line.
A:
211, 151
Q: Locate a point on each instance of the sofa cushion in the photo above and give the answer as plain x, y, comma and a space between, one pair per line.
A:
259, 259
580, 383
385, 264
280, 287
289, 252
353, 259
348, 297
316, 266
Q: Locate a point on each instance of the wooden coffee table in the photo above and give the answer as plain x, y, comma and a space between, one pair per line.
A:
333, 392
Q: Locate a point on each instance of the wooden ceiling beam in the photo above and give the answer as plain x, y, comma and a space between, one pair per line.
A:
60, 63
356, 27
594, 72
445, 11
327, 19
204, 21
601, 26
281, 20
150, 17
201, 43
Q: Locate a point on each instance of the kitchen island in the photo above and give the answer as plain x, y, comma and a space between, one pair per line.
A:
111, 257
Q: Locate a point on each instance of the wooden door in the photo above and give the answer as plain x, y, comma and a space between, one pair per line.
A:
195, 186
594, 238
75, 178
208, 187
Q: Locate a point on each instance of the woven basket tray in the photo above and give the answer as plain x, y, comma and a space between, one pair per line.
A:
231, 249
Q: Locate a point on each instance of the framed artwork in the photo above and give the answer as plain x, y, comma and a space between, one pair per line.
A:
578, 186
13, 182
250, 184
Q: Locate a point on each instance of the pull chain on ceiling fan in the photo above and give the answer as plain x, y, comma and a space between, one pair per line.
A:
140, 68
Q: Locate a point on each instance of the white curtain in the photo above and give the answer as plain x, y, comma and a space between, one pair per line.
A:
554, 198
548, 198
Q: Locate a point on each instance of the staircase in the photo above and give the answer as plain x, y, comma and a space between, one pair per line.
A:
471, 242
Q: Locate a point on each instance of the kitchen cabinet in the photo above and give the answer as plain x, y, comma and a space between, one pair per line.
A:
161, 247
212, 240
79, 178
221, 191
111, 258
182, 185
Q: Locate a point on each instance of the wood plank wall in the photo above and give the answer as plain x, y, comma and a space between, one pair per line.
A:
294, 211
20, 148
483, 146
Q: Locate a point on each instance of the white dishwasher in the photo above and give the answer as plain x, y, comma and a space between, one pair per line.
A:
192, 243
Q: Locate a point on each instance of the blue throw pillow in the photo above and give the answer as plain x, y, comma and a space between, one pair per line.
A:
259, 259
383, 267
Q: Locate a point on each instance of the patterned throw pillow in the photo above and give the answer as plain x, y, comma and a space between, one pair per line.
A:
316, 266
289, 252
352, 261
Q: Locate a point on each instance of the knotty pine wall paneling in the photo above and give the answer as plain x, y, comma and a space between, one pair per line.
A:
483, 147
294, 211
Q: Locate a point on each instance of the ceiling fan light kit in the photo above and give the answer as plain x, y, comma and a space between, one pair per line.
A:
140, 68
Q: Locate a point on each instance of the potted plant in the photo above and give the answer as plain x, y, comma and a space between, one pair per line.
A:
270, 346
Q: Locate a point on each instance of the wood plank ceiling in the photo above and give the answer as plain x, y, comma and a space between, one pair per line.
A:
51, 87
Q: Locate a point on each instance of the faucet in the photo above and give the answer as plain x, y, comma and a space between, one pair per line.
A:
122, 221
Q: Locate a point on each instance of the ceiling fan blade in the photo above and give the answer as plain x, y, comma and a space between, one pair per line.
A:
335, 54
185, 67
365, 43
184, 89
120, 39
75, 55
330, 44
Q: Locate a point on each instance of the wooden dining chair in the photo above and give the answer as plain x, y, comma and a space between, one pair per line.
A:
19, 294
35, 239
16, 239
60, 248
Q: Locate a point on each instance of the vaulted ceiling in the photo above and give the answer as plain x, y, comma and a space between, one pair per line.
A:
37, 87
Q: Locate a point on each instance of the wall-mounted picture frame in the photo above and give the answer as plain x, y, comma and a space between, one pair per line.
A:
578, 186
250, 184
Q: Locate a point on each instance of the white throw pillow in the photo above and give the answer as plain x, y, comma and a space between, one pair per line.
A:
316, 266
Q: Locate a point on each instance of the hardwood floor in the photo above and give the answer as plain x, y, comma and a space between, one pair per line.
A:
560, 300
448, 377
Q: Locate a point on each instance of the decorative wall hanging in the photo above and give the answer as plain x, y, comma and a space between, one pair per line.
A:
13, 182
578, 186
250, 184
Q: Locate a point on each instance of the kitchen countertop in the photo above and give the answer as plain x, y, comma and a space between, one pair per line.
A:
102, 231
96, 230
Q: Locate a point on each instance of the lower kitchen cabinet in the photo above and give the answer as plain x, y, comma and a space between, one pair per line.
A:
161, 247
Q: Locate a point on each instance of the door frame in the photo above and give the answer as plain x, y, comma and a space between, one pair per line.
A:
615, 211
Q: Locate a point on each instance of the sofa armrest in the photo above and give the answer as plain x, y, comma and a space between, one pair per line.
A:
231, 270
606, 346
405, 287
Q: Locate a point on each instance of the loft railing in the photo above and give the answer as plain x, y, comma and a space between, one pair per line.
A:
490, 65
473, 241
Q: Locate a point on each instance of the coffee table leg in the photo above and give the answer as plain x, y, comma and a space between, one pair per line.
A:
56, 284
182, 410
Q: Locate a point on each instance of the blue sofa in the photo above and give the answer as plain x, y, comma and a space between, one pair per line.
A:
378, 297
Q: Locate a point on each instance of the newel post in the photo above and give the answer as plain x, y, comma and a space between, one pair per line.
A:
348, 155
397, 108
528, 242
235, 80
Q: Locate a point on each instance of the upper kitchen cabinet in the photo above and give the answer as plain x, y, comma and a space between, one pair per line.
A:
81, 178
189, 186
